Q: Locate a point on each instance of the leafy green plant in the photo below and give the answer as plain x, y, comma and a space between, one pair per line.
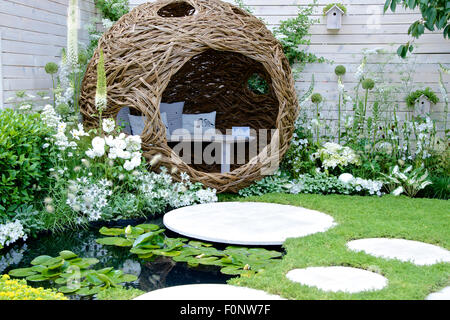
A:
320, 184
24, 164
435, 16
30, 218
413, 97
439, 188
119, 294
269, 184
242, 5
72, 274
113, 9
293, 33
11, 289
148, 242
408, 181
331, 5
258, 84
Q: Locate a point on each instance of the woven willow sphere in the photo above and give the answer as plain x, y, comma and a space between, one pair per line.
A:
202, 52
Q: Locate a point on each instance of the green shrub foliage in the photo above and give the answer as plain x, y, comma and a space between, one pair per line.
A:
24, 163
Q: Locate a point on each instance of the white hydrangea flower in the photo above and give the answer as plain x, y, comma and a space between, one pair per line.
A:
11, 232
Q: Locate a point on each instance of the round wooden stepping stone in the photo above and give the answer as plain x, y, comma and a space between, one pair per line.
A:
207, 292
416, 252
336, 279
246, 223
443, 294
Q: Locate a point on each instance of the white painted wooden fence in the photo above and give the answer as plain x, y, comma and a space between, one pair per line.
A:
34, 31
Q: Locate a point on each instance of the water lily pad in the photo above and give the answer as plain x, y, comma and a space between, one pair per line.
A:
67, 255
166, 253
22, 272
126, 278
148, 238
146, 256
148, 227
94, 279
115, 241
68, 290
111, 231
37, 278
105, 270
40, 260
88, 291
52, 261
61, 280
56, 265
141, 250
38, 268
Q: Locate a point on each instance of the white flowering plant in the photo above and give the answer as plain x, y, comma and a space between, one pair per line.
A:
318, 183
297, 160
107, 178
333, 156
409, 181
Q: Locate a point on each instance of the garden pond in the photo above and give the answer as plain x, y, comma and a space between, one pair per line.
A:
161, 273
157, 273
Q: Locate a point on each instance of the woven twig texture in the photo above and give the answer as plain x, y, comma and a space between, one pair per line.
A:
202, 52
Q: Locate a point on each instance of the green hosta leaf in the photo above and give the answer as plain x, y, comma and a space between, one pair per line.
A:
22, 272
67, 255
40, 260
115, 241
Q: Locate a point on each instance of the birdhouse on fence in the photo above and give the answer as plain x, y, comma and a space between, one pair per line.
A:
334, 18
423, 105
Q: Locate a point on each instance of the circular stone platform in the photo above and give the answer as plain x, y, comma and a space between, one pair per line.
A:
207, 292
416, 252
444, 294
246, 223
335, 279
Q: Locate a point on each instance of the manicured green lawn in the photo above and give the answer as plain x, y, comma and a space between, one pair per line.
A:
426, 220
